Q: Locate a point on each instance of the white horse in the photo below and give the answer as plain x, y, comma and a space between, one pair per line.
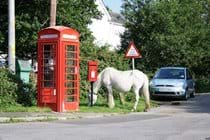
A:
122, 81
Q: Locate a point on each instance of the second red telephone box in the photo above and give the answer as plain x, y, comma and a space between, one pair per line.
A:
58, 68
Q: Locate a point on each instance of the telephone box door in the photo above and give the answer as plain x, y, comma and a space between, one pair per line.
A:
47, 76
71, 97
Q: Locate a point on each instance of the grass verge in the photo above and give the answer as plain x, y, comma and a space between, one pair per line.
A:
100, 107
19, 108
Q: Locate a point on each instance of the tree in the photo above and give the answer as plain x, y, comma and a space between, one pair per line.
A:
168, 32
32, 16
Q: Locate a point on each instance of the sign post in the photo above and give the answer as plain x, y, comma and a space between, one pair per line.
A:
133, 53
133, 63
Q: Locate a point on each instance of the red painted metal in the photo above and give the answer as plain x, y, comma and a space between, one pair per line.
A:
92, 71
58, 68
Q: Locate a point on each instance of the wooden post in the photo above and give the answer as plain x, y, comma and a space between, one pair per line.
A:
53, 6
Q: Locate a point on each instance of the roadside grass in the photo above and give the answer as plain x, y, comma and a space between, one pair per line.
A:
100, 107
19, 108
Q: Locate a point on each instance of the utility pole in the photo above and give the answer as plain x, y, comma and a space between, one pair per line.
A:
11, 35
53, 6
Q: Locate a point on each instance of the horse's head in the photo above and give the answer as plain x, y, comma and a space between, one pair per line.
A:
94, 98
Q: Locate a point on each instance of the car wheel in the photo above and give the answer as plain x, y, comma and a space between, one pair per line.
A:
185, 97
192, 95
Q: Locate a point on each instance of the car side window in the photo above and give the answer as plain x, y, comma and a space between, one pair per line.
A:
189, 76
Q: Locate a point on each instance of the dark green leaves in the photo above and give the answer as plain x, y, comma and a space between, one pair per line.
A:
168, 33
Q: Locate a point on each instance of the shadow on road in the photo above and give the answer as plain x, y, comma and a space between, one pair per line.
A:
199, 104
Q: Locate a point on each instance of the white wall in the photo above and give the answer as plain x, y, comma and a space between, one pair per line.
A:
115, 31
104, 31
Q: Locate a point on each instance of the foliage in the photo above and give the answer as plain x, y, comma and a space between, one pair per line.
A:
33, 15
169, 33
13, 92
202, 84
26, 94
8, 88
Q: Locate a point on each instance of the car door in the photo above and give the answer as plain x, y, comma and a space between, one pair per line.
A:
190, 82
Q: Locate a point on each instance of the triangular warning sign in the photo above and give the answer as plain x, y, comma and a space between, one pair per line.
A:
132, 51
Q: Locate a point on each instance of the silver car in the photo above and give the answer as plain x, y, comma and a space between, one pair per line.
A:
173, 82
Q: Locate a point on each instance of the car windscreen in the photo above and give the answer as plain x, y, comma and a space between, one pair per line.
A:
170, 74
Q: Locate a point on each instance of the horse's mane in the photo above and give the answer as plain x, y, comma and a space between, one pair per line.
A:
97, 84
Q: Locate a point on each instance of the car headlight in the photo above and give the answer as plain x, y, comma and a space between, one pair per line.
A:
179, 85
151, 84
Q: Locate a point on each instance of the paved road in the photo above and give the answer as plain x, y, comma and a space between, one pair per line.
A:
179, 120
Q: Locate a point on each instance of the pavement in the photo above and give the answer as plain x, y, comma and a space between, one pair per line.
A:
8, 117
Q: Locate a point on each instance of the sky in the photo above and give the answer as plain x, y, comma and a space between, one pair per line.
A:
114, 5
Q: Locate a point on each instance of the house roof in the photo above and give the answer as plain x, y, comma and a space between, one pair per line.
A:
116, 17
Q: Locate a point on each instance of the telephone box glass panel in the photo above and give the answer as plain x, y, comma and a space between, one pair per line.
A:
71, 62
48, 66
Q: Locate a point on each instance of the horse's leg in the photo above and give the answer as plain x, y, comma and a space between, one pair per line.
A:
147, 101
122, 98
110, 97
136, 91
146, 94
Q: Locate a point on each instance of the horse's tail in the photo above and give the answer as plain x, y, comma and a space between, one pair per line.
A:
145, 91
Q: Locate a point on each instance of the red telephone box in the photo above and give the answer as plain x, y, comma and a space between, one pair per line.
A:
58, 68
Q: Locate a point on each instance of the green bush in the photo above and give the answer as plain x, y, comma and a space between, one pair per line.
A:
26, 94
8, 88
13, 91
202, 84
